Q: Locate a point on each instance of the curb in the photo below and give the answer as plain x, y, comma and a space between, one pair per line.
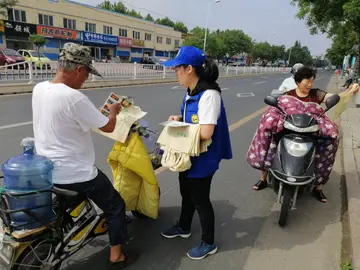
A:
26, 88
351, 150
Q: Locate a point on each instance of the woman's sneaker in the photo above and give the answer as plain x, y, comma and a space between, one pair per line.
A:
176, 231
202, 250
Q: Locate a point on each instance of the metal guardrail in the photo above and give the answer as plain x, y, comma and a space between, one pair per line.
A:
30, 72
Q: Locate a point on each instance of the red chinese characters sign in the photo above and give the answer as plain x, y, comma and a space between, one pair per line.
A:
56, 32
125, 42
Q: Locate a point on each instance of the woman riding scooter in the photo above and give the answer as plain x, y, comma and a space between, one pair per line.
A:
262, 148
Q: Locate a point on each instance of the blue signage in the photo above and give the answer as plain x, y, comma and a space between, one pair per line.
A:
100, 38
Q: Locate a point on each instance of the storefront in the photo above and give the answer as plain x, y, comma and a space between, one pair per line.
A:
17, 35
56, 37
102, 46
124, 49
137, 52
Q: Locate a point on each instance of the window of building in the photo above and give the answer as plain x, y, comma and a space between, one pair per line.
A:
46, 20
136, 35
69, 23
123, 32
90, 27
159, 40
16, 15
177, 42
168, 41
107, 30
147, 36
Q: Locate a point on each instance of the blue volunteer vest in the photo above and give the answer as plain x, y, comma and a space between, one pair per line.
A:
208, 163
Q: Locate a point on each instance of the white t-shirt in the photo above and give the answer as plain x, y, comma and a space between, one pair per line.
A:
209, 107
62, 119
289, 84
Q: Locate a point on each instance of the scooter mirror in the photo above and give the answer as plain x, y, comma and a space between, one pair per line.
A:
332, 101
271, 101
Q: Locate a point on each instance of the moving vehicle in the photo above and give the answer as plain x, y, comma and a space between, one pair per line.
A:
293, 168
77, 222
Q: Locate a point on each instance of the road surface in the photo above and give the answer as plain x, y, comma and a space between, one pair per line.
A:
246, 229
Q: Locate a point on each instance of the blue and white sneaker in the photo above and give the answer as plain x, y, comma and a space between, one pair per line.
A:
202, 250
176, 231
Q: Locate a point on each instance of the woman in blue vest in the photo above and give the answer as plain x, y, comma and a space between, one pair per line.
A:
202, 105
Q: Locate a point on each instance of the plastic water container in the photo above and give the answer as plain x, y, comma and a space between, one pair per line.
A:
26, 173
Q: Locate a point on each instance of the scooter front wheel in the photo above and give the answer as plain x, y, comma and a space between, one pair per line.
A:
286, 205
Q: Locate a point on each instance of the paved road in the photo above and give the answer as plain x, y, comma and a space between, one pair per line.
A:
240, 212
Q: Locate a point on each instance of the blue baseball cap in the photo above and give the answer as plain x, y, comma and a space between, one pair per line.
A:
187, 55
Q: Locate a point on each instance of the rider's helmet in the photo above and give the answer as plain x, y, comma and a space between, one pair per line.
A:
296, 67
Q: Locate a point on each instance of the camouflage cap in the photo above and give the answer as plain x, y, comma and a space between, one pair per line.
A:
78, 54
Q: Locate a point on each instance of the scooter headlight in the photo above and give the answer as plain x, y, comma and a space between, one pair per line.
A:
297, 149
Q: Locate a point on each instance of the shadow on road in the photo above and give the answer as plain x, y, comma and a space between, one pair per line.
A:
232, 234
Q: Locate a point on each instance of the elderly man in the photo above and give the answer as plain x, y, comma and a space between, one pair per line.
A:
62, 121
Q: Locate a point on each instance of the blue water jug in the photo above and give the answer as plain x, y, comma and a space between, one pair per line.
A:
26, 173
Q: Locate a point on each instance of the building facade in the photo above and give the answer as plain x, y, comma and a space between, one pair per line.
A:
109, 34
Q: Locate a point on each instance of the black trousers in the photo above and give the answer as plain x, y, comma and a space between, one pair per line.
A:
101, 191
195, 194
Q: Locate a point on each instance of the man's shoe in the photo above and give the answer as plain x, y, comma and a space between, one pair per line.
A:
176, 231
202, 250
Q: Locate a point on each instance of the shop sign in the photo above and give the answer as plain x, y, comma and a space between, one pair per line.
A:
18, 29
54, 32
2, 26
100, 39
138, 43
125, 42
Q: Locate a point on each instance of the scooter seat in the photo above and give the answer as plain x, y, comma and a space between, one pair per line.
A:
65, 192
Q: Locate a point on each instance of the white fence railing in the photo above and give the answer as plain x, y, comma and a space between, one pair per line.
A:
36, 71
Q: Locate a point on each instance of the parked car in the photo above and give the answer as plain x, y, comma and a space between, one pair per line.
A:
10, 56
237, 64
34, 57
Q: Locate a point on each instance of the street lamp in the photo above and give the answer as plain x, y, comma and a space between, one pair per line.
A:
207, 19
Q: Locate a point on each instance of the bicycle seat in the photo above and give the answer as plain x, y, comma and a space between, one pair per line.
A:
65, 192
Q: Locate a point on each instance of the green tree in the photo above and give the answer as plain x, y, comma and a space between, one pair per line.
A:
179, 26
196, 38
149, 18
165, 21
106, 5
120, 8
5, 5
262, 50
216, 46
38, 41
299, 54
342, 45
134, 13
332, 17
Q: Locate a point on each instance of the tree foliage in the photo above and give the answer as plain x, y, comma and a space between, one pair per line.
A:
120, 7
5, 5
38, 41
340, 19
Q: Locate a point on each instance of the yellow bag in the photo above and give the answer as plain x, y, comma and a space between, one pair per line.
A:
134, 177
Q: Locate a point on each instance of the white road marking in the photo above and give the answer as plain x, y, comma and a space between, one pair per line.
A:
178, 87
224, 89
320, 78
245, 95
16, 125
260, 82
265, 77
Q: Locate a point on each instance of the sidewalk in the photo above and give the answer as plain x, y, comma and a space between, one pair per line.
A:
313, 237
350, 126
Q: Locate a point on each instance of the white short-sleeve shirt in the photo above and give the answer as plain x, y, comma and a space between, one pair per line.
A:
209, 107
62, 121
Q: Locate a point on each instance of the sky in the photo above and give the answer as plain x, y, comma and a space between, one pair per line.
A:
263, 20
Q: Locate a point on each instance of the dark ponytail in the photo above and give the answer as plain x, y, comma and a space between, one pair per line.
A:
209, 72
